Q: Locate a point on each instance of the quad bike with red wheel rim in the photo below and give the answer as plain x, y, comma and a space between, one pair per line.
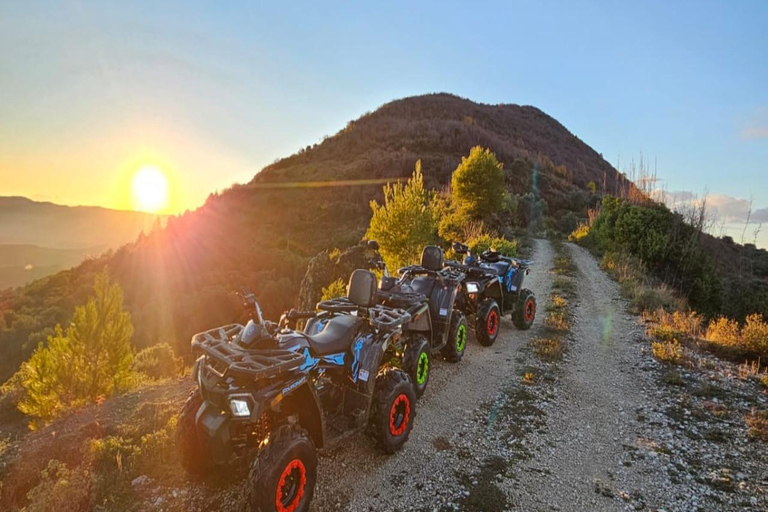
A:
275, 395
525, 312
488, 322
493, 288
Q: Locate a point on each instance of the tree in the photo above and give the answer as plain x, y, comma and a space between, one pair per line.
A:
478, 184
93, 359
405, 223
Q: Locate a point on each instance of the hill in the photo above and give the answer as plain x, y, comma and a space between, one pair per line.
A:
179, 280
38, 238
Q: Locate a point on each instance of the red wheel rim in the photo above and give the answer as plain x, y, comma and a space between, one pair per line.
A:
399, 415
290, 487
530, 310
493, 322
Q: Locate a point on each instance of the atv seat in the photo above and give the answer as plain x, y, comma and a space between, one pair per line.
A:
337, 335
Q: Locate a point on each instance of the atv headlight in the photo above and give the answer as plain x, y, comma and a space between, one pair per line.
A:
472, 288
240, 408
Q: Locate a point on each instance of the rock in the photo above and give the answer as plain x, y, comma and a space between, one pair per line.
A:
140, 481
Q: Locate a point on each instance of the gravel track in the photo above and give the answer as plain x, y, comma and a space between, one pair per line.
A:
356, 477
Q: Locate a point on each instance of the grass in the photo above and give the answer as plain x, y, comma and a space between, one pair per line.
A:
757, 422
557, 322
669, 352
548, 349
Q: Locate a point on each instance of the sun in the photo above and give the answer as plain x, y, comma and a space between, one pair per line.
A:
150, 189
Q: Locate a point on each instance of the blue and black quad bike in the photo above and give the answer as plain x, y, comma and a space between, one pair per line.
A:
413, 353
273, 395
494, 287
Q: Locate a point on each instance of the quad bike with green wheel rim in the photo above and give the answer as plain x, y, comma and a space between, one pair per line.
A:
525, 312
283, 474
416, 362
393, 411
457, 338
195, 456
487, 326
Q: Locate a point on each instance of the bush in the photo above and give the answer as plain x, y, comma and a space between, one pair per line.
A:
579, 234
158, 362
724, 331
478, 184
499, 244
62, 489
667, 351
754, 335
405, 223
94, 359
336, 289
111, 453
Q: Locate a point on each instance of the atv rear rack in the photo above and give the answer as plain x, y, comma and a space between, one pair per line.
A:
261, 363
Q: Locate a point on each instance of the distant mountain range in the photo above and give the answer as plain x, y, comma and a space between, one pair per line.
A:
40, 238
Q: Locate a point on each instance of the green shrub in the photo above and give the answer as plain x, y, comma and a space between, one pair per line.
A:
499, 244
158, 362
405, 223
478, 184
336, 289
111, 453
62, 489
93, 359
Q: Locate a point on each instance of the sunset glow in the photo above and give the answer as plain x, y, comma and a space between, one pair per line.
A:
150, 189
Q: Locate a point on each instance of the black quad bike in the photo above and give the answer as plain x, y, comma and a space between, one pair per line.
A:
275, 395
428, 291
494, 287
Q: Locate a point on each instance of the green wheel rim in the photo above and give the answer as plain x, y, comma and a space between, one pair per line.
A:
422, 369
461, 337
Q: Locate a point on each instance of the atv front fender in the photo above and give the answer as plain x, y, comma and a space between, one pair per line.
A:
214, 427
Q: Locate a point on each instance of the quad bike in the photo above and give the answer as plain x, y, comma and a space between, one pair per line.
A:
494, 287
276, 395
413, 353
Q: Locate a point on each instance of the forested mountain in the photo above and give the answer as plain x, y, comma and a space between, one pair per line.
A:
179, 280
38, 239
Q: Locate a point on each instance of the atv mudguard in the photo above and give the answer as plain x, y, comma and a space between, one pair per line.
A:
300, 398
493, 290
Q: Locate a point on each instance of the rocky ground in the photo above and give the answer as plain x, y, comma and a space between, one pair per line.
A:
604, 427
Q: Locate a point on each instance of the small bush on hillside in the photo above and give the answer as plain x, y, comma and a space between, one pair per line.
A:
111, 453
754, 334
757, 422
579, 234
678, 324
499, 244
158, 362
336, 289
667, 351
62, 489
93, 359
724, 331
405, 223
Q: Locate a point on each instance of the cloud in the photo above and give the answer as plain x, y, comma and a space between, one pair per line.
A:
760, 132
722, 207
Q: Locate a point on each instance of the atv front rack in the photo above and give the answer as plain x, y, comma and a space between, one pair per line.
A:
236, 361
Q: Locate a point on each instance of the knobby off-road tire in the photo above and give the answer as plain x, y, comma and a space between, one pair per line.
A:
195, 453
488, 322
458, 335
393, 409
283, 474
416, 362
525, 312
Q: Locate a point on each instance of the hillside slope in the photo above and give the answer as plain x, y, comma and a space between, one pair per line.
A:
179, 280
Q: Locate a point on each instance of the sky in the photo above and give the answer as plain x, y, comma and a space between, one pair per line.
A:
210, 92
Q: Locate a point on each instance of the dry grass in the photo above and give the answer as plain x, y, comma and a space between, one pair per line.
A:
750, 369
669, 352
557, 303
644, 295
749, 340
757, 422
665, 326
549, 349
529, 378
557, 321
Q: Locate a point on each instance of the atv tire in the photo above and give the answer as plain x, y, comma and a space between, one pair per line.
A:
453, 351
195, 454
488, 322
416, 363
525, 312
393, 409
283, 474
